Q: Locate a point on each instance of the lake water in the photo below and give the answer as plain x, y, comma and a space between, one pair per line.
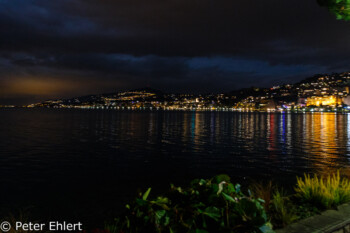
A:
85, 164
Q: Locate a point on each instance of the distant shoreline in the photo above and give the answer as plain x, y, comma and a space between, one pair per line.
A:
188, 110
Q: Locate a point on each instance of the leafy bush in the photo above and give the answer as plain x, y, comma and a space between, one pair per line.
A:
305, 210
282, 210
214, 205
341, 8
264, 191
323, 192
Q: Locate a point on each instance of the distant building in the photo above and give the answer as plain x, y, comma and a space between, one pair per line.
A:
301, 102
346, 100
267, 105
318, 101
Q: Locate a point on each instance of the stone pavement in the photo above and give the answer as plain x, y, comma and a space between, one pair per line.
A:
330, 221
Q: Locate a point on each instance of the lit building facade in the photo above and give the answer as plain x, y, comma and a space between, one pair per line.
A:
323, 101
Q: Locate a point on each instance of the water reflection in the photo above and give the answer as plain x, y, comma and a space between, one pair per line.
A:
281, 141
41, 149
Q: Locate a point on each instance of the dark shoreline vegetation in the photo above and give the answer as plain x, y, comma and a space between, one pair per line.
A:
219, 205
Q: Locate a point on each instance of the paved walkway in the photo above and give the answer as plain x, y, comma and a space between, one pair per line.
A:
330, 221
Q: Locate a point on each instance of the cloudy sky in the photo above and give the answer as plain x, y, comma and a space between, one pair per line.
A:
65, 48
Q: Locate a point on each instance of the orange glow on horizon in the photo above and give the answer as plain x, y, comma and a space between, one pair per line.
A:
52, 87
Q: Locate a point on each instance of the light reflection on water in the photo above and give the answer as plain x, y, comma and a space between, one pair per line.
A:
106, 155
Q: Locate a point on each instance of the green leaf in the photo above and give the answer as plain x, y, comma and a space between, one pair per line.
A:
159, 215
145, 195
204, 222
141, 202
222, 177
228, 197
167, 220
127, 222
201, 231
139, 213
266, 229
231, 188
215, 188
221, 187
162, 200
212, 212
202, 182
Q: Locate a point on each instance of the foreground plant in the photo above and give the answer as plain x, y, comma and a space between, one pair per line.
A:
283, 211
278, 205
341, 8
214, 205
23, 216
324, 192
264, 191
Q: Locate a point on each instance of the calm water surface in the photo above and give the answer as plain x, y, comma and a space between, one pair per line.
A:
84, 164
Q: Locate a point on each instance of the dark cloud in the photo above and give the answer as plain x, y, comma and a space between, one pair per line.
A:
177, 45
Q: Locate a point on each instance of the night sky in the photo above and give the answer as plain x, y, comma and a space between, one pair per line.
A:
66, 48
